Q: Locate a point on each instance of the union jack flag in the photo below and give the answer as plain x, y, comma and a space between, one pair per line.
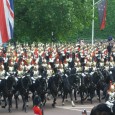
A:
6, 20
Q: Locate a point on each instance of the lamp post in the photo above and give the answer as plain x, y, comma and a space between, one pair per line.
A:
93, 23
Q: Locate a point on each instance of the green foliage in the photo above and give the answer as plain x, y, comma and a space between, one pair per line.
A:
109, 29
35, 20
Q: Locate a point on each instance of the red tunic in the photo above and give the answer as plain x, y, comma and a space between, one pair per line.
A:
37, 110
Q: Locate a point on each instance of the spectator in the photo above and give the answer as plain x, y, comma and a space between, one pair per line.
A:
109, 48
37, 107
101, 109
37, 110
84, 112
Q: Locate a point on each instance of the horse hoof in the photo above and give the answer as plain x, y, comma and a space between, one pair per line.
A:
10, 111
66, 100
76, 101
73, 105
48, 98
63, 104
88, 99
97, 98
53, 105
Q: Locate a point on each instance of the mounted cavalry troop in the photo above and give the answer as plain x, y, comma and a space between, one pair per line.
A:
62, 70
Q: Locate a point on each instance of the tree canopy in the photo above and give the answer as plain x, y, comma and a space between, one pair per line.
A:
35, 20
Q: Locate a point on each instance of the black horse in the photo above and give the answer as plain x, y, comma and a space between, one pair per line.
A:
7, 89
53, 86
67, 86
90, 86
70, 83
107, 76
22, 87
83, 88
41, 88
98, 80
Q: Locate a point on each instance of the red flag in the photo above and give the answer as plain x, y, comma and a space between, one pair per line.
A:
102, 6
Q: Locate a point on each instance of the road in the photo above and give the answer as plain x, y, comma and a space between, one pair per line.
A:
67, 109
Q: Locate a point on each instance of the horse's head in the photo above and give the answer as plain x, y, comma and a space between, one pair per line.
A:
43, 83
73, 70
26, 82
101, 74
10, 82
57, 79
67, 71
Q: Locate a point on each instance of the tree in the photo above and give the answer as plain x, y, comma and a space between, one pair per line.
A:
109, 29
35, 20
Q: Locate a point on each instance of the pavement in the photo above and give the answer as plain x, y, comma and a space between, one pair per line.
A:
67, 109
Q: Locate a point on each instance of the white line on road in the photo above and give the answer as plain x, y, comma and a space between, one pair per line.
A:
76, 108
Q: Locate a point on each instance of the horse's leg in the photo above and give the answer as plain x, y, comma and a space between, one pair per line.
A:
25, 99
75, 96
71, 97
16, 99
66, 96
81, 96
5, 100
9, 103
33, 95
23, 102
26, 105
44, 99
63, 97
90, 94
54, 101
98, 94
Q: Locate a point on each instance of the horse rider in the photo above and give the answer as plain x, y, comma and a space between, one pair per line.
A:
111, 96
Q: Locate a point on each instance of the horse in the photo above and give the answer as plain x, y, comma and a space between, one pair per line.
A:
41, 88
22, 87
83, 87
98, 79
7, 88
53, 86
87, 87
107, 76
70, 82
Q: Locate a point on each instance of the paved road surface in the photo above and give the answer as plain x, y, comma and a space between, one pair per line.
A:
67, 109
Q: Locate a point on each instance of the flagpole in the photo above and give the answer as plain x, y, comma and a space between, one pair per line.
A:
93, 23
